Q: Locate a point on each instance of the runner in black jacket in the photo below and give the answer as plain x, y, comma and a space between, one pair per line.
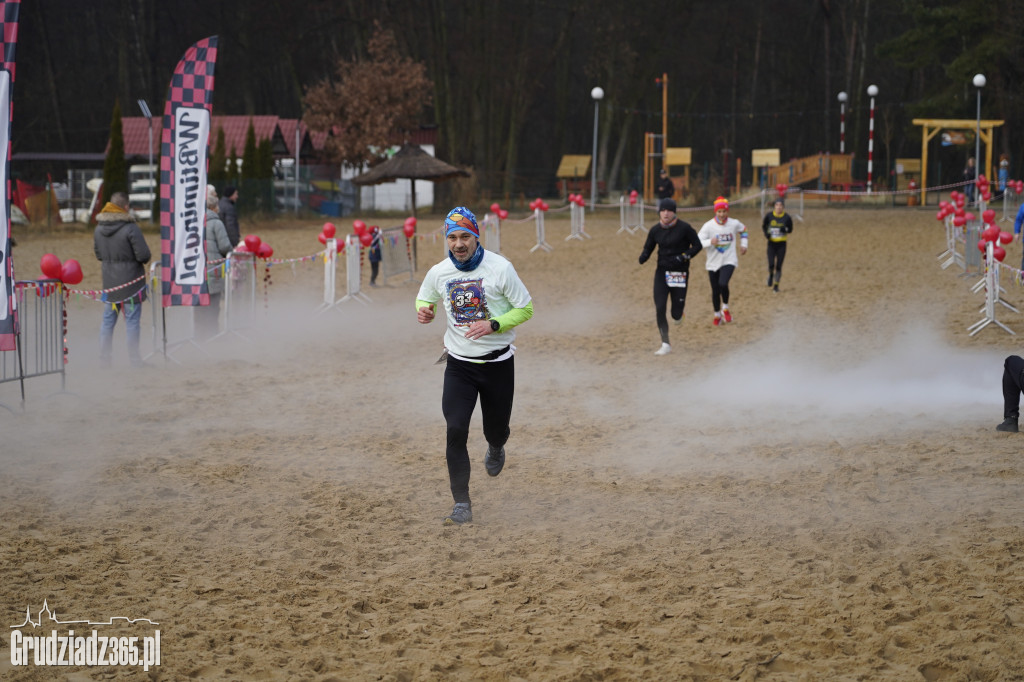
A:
677, 243
777, 226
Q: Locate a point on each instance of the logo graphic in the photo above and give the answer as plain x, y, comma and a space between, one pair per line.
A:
467, 301
81, 650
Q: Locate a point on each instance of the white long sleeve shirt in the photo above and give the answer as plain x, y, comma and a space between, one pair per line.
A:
723, 253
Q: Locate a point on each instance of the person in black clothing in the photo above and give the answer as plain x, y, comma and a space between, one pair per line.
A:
677, 243
375, 254
665, 189
1013, 384
777, 226
229, 214
970, 175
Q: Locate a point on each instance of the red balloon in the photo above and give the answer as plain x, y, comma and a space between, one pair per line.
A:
544, 206
986, 195
982, 180
329, 230
359, 226
960, 202
50, 265
1005, 237
990, 233
982, 245
242, 248
265, 250
959, 221
502, 214
495, 207
989, 216
409, 229
341, 245
322, 239
411, 220
969, 216
365, 238
632, 200
71, 272
252, 242
943, 204
634, 193
999, 253
941, 215
1020, 186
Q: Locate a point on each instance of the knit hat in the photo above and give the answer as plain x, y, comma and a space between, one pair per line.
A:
721, 202
667, 204
461, 218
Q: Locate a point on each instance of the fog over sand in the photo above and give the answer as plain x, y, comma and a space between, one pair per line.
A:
814, 491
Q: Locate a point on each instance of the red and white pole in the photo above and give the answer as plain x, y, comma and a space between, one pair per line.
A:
871, 91
842, 122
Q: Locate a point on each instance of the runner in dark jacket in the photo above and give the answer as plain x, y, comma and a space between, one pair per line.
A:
677, 243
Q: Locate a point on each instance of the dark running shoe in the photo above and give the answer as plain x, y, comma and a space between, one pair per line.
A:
494, 461
461, 513
1009, 424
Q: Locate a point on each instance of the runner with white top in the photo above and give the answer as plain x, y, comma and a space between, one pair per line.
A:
483, 300
718, 236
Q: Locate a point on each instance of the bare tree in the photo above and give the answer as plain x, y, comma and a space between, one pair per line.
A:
372, 99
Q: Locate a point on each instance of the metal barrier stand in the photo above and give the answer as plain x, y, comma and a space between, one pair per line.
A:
39, 339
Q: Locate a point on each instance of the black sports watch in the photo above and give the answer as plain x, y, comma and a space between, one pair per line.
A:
495, 325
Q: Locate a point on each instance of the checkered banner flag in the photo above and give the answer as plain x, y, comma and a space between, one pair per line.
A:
8, 309
183, 146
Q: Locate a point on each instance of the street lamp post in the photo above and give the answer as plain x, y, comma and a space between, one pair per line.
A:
144, 108
872, 91
598, 95
842, 122
979, 83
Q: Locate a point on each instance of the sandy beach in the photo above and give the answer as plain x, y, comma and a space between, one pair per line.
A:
813, 492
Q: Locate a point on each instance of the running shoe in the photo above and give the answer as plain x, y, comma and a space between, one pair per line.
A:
1009, 424
775, 289
769, 279
494, 460
664, 350
462, 513
718, 321
726, 316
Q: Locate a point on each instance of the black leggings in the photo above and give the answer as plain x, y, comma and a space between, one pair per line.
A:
1013, 383
776, 254
720, 285
662, 292
494, 382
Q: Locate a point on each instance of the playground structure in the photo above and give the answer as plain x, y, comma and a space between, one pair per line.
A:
827, 171
671, 157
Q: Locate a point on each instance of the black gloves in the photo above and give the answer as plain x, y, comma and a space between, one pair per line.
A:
644, 256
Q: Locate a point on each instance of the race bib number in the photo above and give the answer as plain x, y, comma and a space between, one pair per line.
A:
675, 279
775, 232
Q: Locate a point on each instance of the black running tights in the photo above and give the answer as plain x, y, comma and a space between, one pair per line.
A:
494, 383
720, 285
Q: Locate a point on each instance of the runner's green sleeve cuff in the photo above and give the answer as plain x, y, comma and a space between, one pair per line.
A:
420, 303
514, 317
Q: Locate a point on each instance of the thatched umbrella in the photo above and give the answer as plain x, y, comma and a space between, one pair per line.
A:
410, 163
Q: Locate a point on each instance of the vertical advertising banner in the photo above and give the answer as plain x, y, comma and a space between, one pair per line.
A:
184, 142
8, 313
